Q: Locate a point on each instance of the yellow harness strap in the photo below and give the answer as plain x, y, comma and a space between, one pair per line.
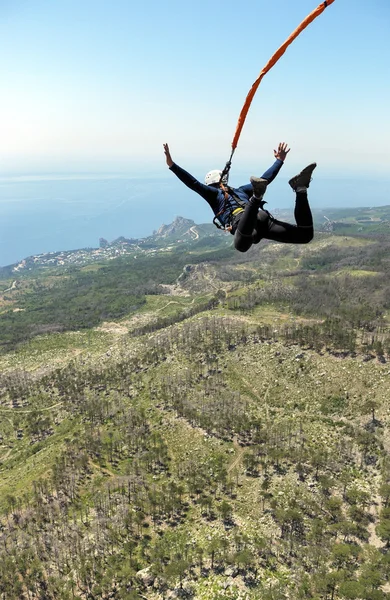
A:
236, 211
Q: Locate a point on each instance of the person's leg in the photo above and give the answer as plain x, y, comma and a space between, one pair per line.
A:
302, 214
302, 232
246, 228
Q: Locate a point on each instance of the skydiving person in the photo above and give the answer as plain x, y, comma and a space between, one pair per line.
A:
241, 210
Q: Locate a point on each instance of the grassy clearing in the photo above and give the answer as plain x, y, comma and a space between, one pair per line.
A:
321, 241
168, 305
355, 273
284, 263
270, 314
26, 464
244, 289
93, 267
57, 348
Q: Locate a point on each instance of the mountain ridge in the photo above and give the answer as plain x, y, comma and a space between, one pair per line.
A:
360, 220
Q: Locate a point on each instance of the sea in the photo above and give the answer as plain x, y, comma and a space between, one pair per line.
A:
48, 213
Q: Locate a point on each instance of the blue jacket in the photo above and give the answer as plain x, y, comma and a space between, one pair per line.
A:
215, 196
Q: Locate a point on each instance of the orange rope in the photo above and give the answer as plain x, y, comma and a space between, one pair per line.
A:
274, 59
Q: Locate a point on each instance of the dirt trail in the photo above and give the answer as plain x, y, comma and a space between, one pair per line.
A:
101, 469
257, 393
174, 302
196, 234
6, 455
375, 509
30, 410
238, 458
13, 287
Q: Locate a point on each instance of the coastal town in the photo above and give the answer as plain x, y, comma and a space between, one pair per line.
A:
181, 231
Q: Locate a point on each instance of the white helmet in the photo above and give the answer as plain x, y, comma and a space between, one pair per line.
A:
213, 177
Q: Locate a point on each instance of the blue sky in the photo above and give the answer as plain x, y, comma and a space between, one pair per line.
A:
98, 85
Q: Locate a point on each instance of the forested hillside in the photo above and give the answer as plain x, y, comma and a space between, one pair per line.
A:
201, 424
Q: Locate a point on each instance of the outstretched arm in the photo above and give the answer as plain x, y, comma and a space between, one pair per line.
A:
280, 155
270, 174
207, 192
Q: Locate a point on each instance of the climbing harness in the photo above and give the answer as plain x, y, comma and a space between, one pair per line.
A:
231, 201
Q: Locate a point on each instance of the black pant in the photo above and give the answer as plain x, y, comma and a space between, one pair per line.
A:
254, 224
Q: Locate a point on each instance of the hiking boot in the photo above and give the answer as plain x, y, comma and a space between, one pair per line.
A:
303, 178
259, 187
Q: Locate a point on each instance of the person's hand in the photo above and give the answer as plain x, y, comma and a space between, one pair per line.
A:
168, 155
282, 151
